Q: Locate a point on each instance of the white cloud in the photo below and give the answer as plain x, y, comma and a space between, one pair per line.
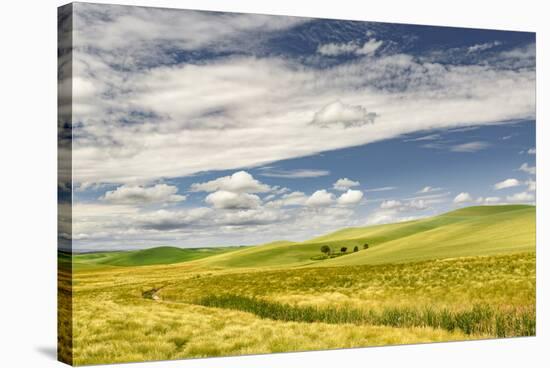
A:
197, 113
532, 151
413, 204
350, 197
528, 169
223, 199
127, 194
290, 199
387, 216
418, 204
294, 198
250, 217
488, 200
531, 185
522, 197
335, 49
346, 115
470, 147
381, 189
164, 220
463, 197
369, 47
132, 31
483, 46
429, 137
320, 198
295, 174
390, 204
239, 182
428, 189
130, 83
344, 184
508, 183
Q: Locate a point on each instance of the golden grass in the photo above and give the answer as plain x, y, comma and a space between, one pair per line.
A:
113, 322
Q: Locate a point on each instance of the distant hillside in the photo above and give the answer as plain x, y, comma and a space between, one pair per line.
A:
152, 256
471, 231
480, 230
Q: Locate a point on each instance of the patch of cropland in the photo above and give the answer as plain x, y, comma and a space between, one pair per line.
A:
144, 257
152, 313
480, 230
503, 280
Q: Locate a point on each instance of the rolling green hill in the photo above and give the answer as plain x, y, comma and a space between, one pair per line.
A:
152, 256
480, 230
471, 231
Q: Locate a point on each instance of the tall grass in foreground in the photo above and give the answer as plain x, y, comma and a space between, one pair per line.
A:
480, 319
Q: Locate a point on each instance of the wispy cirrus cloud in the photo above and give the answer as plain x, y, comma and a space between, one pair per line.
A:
294, 174
528, 169
380, 189
470, 146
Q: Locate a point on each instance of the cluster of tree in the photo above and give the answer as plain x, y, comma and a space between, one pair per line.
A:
327, 250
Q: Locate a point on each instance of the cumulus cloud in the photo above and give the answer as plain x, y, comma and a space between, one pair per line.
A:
522, 197
164, 220
291, 199
531, 185
320, 198
528, 169
508, 183
463, 197
470, 147
239, 182
532, 151
132, 194
250, 217
347, 115
350, 197
344, 184
223, 199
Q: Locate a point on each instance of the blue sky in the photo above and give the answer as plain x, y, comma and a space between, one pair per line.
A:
208, 129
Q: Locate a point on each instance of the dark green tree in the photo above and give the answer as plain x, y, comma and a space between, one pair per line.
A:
325, 249
356, 249
343, 249
365, 246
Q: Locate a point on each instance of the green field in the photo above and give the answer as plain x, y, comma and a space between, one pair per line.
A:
466, 274
481, 230
145, 257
